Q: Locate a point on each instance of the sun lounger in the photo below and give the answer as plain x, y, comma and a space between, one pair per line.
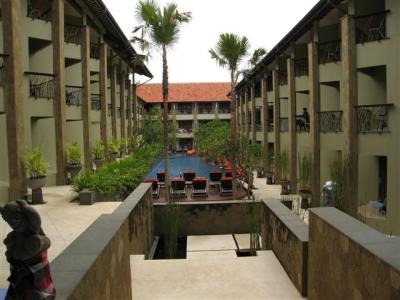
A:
199, 187
161, 178
155, 187
189, 175
178, 187
226, 186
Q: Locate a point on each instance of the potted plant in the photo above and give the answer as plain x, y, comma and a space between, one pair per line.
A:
36, 167
98, 154
305, 180
269, 173
284, 164
83, 184
74, 158
122, 146
113, 148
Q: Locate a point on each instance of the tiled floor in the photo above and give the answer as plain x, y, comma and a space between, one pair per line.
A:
62, 221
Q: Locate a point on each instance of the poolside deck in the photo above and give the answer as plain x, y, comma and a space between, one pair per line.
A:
213, 195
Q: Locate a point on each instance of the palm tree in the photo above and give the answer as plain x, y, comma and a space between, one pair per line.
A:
161, 26
229, 52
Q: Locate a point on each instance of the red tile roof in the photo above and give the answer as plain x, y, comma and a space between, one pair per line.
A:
185, 92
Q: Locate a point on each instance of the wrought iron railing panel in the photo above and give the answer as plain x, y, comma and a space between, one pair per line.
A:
302, 124
329, 52
301, 67
94, 51
95, 101
331, 121
41, 85
371, 27
39, 10
73, 95
2, 70
373, 118
72, 34
284, 124
282, 77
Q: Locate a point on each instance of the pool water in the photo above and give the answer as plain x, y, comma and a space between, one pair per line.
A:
180, 163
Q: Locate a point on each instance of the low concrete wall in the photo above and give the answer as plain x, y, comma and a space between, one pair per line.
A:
207, 217
350, 260
287, 236
97, 265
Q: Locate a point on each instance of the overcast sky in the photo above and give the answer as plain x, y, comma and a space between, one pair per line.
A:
264, 22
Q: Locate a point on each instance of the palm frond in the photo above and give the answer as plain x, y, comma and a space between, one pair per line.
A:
220, 61
258, 54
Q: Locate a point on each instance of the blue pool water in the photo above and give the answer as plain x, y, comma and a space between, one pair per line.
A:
179, 163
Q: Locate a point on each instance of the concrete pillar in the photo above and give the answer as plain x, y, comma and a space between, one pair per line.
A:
134, 107
277, 126
246, 113
242, 114
129, 106
104, 96
216, 110
253, 113
195, 126
292, 126
264, 97
349, 100
13, 96
315, 107
113, 98
122, 84
59, 88
86, 95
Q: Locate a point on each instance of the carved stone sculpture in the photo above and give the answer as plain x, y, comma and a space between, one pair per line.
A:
26, 252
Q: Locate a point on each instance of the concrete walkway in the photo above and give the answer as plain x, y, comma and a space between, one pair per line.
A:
212, 271
62, 221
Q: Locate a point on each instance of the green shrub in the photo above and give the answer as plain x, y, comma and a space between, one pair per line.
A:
305, 171
74, 154
113, 146
98, 150
35, 164
123, 143
117, 179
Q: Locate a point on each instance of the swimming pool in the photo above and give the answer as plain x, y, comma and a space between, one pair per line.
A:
179, 163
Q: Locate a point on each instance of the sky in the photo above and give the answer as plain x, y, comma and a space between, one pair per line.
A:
263, 22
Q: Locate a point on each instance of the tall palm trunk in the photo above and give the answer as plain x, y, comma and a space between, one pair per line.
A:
233, 135
165, 120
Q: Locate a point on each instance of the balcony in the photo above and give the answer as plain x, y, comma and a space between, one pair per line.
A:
224, 110
110, 109
41, 85
301, 67
73, 95
371, 27
72, 34
270, 126
284, 124
331, 121
94, 51
95, 101
282, 77
329, 52
184, 111
373, 118
259, 128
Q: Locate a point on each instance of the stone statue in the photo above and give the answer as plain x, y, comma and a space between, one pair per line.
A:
26, 252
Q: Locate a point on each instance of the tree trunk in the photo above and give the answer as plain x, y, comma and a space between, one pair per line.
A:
165, 120
233, 136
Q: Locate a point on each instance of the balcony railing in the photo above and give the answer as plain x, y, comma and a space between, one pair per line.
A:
41, 85
224, 110
329, 52
39, 10
284, 124
72, 34
184, 130
73, 95
206, 111
184, 111
95, 101
302, 124
371, 27
301, 67
331, 121
258, 128
282, 77
373, 118
94, 51
2, 71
